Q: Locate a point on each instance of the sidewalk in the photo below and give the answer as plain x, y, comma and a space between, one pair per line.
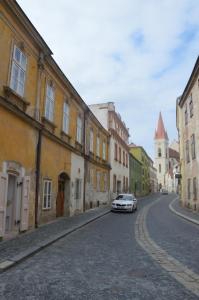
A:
26, 244
184, 212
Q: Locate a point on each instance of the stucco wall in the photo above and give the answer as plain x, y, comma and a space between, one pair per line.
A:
77, 172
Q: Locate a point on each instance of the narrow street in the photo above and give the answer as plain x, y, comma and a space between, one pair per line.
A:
106, 259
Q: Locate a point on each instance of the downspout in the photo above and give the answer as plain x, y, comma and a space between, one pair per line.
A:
38, 165
85, 164
40, 64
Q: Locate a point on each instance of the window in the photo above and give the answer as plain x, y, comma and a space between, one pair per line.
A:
189, 188
47, 194
193, 152
187, 151
79, 129
194, 189
66, 118
91, 140
91, 176
120, 155
115, 151
124, 182
159, 168
98, 146
78, 188
104, 151
123, 158
49, 109
127, 160
18, 71
105, 182
186, 115
114, 183
98, 181
127, 184
159, 152
191, 106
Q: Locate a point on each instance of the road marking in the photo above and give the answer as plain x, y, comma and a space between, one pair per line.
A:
188, 278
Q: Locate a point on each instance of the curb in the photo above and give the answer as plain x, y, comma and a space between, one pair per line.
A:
7, 264
180, 214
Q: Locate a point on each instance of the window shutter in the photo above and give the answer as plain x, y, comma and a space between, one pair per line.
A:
3, 201
25, 203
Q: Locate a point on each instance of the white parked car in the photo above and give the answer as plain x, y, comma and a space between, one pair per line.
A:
124, 202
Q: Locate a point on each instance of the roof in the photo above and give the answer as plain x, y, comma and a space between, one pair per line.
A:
174, 154
161, 133
132, 145
133, 157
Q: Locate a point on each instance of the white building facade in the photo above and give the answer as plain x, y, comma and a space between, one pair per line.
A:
161, 153
119, 150
166, 159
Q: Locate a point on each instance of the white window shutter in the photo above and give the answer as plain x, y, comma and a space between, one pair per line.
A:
25, 204
3, 201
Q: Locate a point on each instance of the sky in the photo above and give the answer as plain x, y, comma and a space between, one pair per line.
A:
138, 54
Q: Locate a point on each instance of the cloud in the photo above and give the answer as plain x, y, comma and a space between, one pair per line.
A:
137, 53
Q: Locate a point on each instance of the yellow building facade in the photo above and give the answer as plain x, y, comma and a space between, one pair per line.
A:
140, 154
42, 125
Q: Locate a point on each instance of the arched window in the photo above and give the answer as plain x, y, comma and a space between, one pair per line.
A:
159, 152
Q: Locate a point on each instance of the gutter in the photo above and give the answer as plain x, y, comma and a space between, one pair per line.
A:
85, 164
38, 165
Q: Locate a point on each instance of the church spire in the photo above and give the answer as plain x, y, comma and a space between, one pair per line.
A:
161, 133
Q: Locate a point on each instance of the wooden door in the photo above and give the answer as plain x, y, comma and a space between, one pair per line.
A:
60, 198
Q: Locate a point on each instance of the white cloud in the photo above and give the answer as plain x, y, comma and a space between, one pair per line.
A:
136, 53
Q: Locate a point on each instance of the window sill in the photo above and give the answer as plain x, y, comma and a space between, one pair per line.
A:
65, 137
15, 98
46, 209
91, 154
48, 124
78, 146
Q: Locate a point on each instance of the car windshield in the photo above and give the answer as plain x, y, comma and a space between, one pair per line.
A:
124, 197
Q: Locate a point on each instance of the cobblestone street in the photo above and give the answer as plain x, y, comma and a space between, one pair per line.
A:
104, 261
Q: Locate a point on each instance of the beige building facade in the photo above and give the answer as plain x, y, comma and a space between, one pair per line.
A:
188, 129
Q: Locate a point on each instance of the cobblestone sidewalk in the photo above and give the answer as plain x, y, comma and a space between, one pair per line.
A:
184, 212
14, 250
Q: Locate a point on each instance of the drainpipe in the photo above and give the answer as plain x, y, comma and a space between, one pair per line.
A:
38, 164
85, 162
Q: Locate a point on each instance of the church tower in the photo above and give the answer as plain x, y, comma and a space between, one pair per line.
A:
161, 153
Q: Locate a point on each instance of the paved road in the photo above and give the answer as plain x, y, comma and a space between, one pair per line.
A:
104, 260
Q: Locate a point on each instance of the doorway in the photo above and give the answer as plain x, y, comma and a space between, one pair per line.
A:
63, 195
119, 186
11, 207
